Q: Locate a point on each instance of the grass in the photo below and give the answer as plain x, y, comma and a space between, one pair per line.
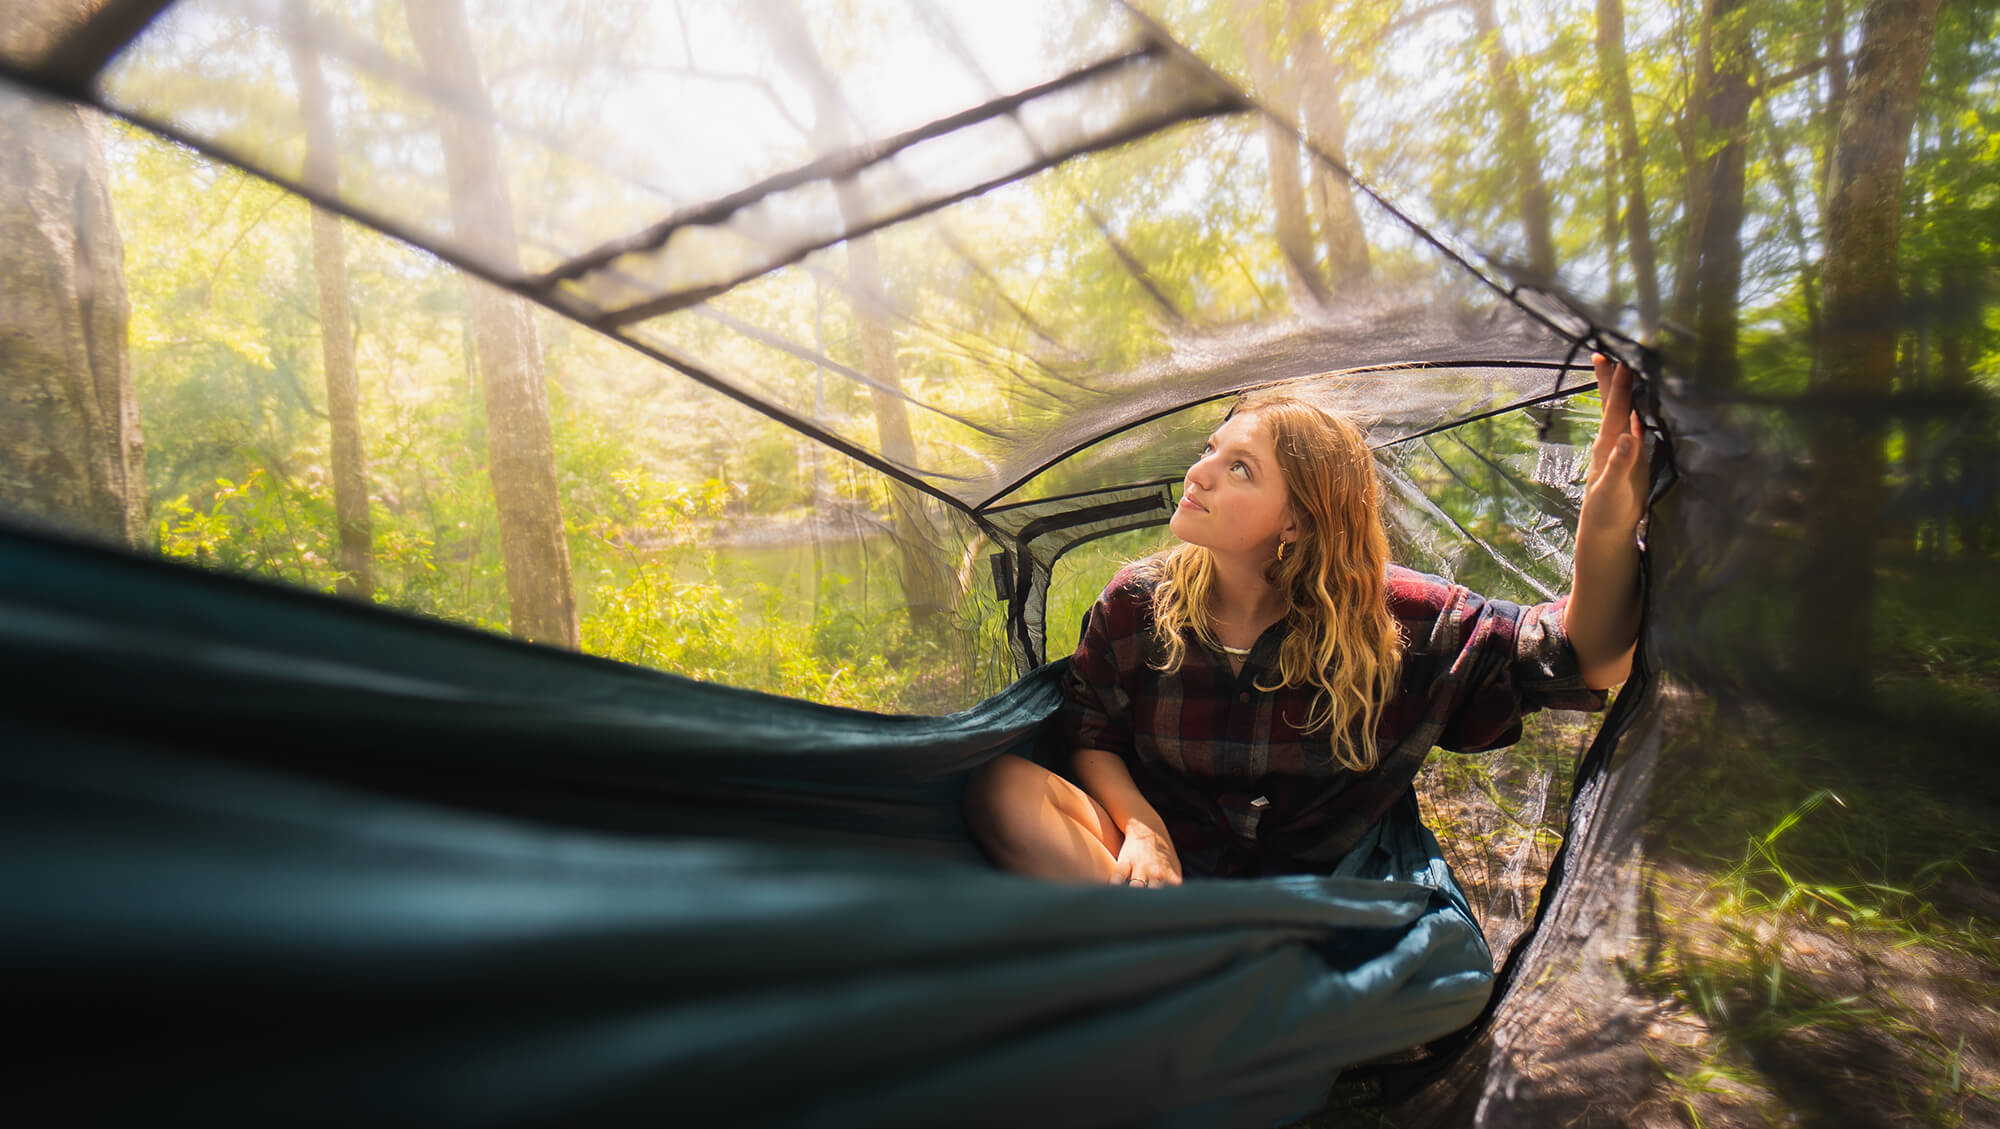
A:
1828, 964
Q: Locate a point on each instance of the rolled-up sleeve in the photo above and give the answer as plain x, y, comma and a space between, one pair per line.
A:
1492, 662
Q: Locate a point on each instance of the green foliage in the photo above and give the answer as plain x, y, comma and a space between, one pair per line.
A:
1081, 575
659, 598
1007, 305
277, 530
226, 360
746, 637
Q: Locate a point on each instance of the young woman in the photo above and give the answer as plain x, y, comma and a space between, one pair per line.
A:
1253, 700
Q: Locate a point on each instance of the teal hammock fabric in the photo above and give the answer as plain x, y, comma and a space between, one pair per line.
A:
275, 858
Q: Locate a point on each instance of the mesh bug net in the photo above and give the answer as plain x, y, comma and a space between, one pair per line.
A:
833, 355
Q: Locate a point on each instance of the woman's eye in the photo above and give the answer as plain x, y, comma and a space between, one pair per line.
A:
1239, 468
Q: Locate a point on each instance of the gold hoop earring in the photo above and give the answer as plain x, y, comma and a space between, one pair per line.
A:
1281, 552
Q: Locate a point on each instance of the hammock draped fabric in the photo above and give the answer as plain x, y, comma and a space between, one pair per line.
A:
497, 884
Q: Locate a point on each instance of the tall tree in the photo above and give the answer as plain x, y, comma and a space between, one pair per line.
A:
1953, 236
1264, 52
1617, 84
1710, 279
336, 322
1834, 27
1518, 143
928, 575
1331, 196
1835, 613
70, 447
520, 447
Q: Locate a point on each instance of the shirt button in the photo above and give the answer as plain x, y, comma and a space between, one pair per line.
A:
1244, 696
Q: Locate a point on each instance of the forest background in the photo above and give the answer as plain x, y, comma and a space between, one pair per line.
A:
1794, 199
310, 401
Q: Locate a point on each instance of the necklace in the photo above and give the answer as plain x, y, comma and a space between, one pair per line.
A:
1239, 652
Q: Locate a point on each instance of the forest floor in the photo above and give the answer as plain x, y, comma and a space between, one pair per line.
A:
1837, 963
1782, 1016
1828, 942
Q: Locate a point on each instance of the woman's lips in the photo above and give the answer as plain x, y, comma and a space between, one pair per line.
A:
1188, 503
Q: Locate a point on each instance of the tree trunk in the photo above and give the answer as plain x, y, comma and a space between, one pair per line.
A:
1958, 310
930, 589
1523, 151
1835, 29
1274, 85
1687, 263
1331, 196
1834, 618
929, 580
520, 447
1631, 161
1910, 433
1720, 140
1961, 305
1970, 441
71, 454
336, 323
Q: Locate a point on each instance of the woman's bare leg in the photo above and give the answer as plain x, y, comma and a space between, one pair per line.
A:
1033, 822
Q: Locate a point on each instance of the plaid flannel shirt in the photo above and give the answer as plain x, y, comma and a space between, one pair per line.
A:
1241, 789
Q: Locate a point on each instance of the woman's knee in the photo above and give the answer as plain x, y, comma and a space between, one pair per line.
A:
998, 795
1031, 821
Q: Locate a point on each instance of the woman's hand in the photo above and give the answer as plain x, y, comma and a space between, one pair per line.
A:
1614, 491
1147, 856
1602, 617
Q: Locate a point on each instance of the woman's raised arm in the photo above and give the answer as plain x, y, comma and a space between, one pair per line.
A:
1602, 619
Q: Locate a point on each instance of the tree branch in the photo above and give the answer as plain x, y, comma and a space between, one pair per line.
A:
278, 196
1770, 83
1411, 19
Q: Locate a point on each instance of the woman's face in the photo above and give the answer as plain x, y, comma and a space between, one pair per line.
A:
1234, 500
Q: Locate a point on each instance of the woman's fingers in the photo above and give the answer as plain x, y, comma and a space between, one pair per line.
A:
1614, 390
1147, 857
1614, 382
1600, 449
1639, 470
1614, 492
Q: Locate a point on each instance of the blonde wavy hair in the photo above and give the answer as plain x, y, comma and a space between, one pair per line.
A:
1334, 578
